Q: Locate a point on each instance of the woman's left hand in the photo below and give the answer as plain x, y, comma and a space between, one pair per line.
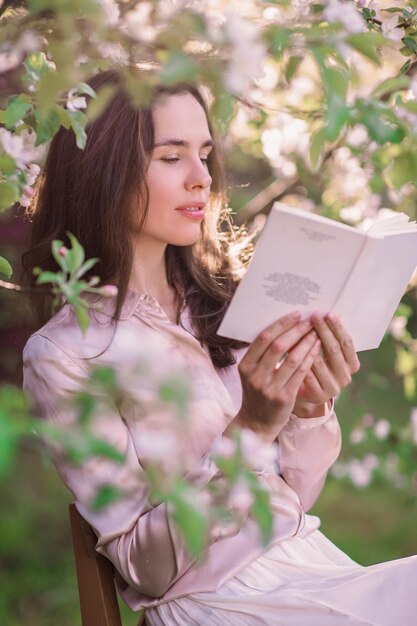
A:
332, 369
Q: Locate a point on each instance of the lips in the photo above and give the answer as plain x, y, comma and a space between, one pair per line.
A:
199, 206
193, 210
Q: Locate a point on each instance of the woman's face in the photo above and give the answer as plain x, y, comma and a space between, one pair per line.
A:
178, 180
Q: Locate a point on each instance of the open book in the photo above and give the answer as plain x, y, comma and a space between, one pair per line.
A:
308, 262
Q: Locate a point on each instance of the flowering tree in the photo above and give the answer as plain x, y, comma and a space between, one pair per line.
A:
317, 104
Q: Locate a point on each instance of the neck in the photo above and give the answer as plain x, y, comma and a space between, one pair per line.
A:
149, 271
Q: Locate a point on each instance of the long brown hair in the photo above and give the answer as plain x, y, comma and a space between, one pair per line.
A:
89, 193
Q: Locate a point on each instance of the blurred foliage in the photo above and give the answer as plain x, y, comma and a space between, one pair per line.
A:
317, 106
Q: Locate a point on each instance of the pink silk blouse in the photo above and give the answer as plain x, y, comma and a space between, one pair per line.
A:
138, 536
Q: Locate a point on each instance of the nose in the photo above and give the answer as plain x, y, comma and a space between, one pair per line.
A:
198, 176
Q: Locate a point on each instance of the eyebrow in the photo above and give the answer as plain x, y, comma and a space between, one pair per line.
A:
180, 142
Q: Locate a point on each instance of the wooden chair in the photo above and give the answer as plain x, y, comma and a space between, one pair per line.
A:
95, 575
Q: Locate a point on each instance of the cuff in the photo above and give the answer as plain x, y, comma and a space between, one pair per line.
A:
310, 422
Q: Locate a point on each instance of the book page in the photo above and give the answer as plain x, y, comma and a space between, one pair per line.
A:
395, 223
300, 262
374, 289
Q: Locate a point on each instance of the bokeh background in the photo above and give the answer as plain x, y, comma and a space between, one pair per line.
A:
334, 136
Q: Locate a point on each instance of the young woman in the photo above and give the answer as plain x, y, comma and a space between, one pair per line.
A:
146, 196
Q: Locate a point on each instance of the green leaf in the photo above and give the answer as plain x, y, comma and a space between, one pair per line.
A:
192, 523
85, 267
9, 438
293, 64
382, 130
36, 63
178, 68
17, 107
5, 267
106, 495
48, 277
7, 164
367, 44
335, 80
402, 169
261, 512
317, 148
404, 68
336, 117
279, 39
48, 122
9, 194
96, 106
85, 88
101, 448
411, 43
75, 256
82, 317
62, 262
223, 110
174, 390
391, 85
78, 121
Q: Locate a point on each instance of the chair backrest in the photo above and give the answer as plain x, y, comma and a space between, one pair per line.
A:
98, 600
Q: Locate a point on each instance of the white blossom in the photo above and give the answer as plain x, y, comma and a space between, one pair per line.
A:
138, 24
412, 93
240, 498
390, 30
397, 326
413, 419
12, 53
19, 146
346, 14
113, 51
75, 102
247, 54
111, 12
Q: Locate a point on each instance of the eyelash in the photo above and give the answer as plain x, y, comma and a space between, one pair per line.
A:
172, 160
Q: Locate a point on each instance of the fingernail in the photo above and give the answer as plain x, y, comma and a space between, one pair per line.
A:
331, 317
295, 315
316, 316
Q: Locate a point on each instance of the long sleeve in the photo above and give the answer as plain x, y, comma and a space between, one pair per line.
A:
140, 538
307, 449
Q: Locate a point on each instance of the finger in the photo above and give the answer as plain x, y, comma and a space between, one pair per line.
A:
295, 359
262, 342
345, 341
327, 382
301, 372
281, 345
313, 388
331, 347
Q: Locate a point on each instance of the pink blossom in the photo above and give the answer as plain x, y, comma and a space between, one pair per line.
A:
109, 291
255, 452
390, 29
32, 173
381, 429
413, 418
240, 498
63, 251
223, 447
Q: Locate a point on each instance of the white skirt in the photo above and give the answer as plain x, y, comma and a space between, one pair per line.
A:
302, 581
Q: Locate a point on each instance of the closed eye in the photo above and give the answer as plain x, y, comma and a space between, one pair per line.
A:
170, 159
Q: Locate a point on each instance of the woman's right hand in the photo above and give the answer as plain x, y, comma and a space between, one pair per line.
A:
272, 372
